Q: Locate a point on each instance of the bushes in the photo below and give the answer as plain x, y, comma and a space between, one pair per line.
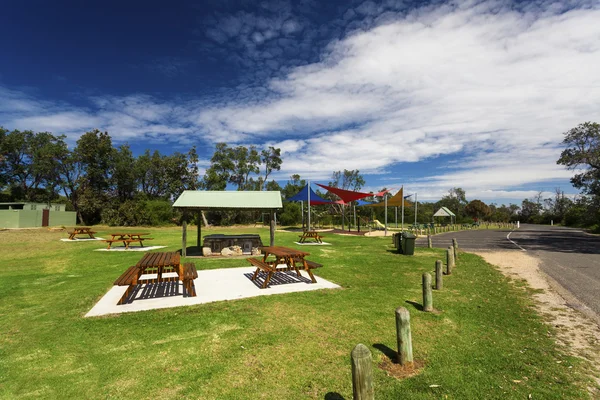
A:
139, 213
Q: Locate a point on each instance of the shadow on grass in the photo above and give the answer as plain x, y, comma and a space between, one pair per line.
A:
334, 396
389, 353
394, 251
415, 304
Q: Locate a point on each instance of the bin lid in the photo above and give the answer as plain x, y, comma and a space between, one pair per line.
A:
407, 235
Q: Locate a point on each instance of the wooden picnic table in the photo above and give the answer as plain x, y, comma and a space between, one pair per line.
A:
81, 230
158, 264
127, 238
310, 235
291, 258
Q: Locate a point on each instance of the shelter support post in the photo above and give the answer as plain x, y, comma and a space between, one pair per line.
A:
199, 238
184, 237
272, 228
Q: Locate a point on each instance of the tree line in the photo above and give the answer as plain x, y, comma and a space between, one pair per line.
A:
107, 184
581, 154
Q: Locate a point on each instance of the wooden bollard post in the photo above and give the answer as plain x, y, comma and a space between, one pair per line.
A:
449, 260
362, 373
429, 245
439, 284
427, 295
455, 249
403, 336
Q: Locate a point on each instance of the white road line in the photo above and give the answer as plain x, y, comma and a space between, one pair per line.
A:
512, 241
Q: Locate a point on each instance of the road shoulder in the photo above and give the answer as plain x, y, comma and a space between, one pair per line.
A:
577, 332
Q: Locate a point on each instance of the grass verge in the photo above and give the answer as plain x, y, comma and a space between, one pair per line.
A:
485, 341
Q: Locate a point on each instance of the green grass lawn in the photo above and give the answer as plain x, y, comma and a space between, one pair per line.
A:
486, 341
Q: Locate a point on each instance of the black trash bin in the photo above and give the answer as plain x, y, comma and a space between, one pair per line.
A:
408, 244
397, 237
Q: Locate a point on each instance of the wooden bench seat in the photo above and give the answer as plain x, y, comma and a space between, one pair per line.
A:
189, 274
312, 264
129, 278
262, 266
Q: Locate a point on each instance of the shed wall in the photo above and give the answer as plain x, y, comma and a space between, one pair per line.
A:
60, 218
9, 219
30, 219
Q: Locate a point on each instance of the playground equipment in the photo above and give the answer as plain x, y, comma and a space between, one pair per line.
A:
378, 225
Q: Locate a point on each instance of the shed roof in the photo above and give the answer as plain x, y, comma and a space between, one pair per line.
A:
444, 212
229, 199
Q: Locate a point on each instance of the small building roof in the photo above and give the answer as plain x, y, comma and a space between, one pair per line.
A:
229, 199
444, 212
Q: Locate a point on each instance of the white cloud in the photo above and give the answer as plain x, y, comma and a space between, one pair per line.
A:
478, 78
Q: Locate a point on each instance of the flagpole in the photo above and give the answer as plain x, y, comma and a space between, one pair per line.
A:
402, 208
308, 206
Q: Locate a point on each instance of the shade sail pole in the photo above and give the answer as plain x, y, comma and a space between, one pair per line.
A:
308, 227
402, 208
385, 200
416, 207
302, 210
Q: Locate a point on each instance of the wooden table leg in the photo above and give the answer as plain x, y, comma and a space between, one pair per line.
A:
127, 293
307, 269
312, 277
293, 265
266, 283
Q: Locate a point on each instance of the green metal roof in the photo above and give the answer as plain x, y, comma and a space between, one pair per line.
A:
444, 212
229, 199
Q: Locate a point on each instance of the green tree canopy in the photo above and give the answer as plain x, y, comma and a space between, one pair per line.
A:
583, 152
477, 209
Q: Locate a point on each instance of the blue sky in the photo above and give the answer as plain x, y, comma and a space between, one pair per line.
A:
471, 94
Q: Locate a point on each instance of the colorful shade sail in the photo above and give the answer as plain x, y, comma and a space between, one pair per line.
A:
315, 200
346, 195
395, 201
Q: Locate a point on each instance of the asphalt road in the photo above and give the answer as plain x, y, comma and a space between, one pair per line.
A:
569, 256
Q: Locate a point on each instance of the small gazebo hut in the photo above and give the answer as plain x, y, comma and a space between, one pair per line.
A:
191, 201
445, 212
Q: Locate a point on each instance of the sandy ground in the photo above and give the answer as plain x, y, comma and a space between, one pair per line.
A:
578, 333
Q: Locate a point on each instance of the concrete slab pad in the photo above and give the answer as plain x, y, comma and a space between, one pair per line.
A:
313, 244
132, 248
211, 285
82, 240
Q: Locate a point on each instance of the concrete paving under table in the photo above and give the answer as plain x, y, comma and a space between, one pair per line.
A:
211, 285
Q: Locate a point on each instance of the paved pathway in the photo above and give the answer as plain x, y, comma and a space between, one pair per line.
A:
569, 256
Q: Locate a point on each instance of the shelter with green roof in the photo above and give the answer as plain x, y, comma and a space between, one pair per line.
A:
196, 201
445, 212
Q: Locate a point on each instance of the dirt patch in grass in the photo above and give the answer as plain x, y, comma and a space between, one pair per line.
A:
398, 371
576, 332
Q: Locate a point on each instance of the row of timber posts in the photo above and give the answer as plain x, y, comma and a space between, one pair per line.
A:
361, 357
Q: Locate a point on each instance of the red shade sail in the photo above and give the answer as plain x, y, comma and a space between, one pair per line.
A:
346, 195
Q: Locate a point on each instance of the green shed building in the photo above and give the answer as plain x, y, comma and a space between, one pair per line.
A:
33, 215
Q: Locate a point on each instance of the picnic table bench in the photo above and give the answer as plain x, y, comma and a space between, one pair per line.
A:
81, 230
310, 235
158, 264
127, 238
291, 258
